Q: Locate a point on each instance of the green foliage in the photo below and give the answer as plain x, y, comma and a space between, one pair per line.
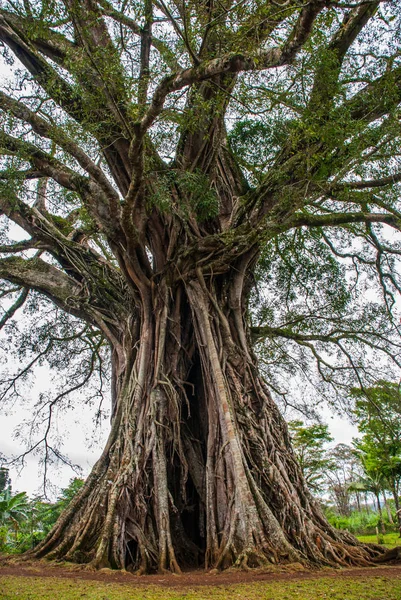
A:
24, 523
66, 495
317, 311
372, 479
13, 508
255, 142
13, 511
192, 190
40, 519
390, 540
358, 522
378, 414
342, 471
301, 264
309, 443
204, 201
5, 481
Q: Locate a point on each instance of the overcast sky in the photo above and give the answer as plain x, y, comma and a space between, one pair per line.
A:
82, 444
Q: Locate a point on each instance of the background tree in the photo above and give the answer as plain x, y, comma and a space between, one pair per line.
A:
161, 159
5, 481
308, 442
378, 414
13, 509
42, 515
25, 522
371, 481
343, 470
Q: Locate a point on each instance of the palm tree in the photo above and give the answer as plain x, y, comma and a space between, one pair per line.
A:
373, 481
13, 509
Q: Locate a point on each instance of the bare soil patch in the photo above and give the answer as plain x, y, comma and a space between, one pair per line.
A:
192, 578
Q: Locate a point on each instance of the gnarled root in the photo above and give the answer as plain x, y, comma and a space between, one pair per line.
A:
393, 556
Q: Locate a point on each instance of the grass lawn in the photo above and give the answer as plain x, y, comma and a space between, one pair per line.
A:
361, 588
390, 539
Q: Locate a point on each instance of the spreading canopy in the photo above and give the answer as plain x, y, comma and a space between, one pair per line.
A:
279, 123
190, 176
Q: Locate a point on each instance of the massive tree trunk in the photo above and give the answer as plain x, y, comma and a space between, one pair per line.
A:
198, 468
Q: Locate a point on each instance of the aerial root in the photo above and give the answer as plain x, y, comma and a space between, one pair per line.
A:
347, 556
251, 558
392, 555
173, 566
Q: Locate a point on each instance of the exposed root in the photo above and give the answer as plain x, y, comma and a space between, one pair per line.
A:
393, 556
251, 558
198, 468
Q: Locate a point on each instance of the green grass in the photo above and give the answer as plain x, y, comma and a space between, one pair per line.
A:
362, 588
390, 539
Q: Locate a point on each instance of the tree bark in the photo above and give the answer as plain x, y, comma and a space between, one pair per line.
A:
388, 508
395, 491
379, 508
198, 468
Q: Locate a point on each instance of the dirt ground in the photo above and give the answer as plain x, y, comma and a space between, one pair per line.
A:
190, 579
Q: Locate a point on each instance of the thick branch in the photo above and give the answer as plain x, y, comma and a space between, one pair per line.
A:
80, 261
369, 183
259, 25
337, 219
92, 195
333, 336
33, 221
235, 63
43, 73
65, 292
20, 246
13, 309
325, 84
46, 40
23, 175
376, 99
35, 273
164, 50
50, 131
102, 56
146, 39
69, 99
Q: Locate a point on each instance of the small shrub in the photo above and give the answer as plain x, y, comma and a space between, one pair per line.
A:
362, 523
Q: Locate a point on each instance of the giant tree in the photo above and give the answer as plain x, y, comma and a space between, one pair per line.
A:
162, 158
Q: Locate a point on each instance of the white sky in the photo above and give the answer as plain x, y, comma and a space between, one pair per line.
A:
81, 441
79, 444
